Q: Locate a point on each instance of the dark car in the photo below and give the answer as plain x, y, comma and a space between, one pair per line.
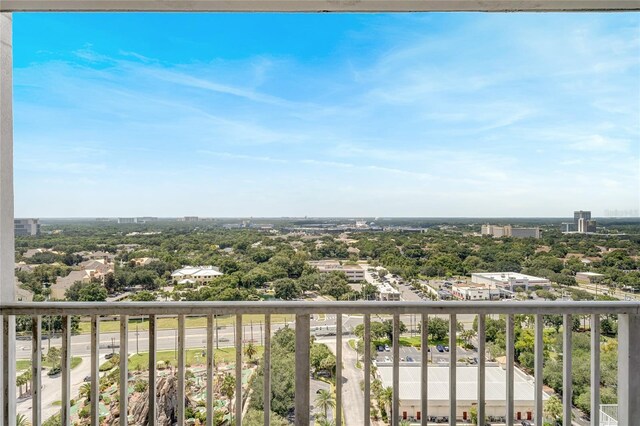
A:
526, 423
87, 378
440, 348
109, 355
446, 348
409, 359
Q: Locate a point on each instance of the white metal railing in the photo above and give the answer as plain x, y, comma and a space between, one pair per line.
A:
609, 415
628, 362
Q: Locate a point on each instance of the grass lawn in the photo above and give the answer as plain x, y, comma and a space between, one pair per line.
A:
221, 355
25, 364
191, 322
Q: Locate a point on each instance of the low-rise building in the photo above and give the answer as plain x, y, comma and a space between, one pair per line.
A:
62, 284
196, 274
354, 273
474, 292
589, 277
467, 391
509, 280
386, 292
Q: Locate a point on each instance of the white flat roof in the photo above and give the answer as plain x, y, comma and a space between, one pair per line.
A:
590, 274
466, 379
505, 276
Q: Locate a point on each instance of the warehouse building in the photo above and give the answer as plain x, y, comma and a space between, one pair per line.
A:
509, 280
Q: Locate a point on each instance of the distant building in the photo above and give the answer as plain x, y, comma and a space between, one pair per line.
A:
123, 220
196, 274
26, 227
589, 277
354, 273
510, 231
508, 280
62, 284
467, 386
190, 219
475, 292
568, 227
582, 222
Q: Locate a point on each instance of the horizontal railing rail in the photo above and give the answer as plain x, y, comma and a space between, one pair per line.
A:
628, 354
361, 307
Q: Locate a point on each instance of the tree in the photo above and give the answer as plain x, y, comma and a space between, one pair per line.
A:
54, 356
553, 409
438, 328
85, 391
250, 350
286, 289
21, 420
325, 400
228, 388
143, 296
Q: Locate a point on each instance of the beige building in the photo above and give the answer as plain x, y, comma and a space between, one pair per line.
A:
510, 231
354, 273
466, 391
62, 284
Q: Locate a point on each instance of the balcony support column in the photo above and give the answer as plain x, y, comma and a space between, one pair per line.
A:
7, 245
303, 351
628, 366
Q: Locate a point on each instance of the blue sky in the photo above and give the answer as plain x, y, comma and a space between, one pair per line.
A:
326, 115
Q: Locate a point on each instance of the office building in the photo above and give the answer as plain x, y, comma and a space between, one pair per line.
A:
123, 220
582, 222
26, 227
475, 292
509, 231
354, 273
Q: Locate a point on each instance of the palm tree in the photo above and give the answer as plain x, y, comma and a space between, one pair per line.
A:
323, 421
20, 381
325, 400
27, 377
404, 422
250, 350
85, 391
228, 389
386, 396
21, 420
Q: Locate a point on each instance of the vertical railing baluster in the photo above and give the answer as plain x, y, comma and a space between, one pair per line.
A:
367, 369
481, 370
338, 416
303, 341
210, 367
65, 365
238, 342
538, 366
395, 420
628, 366
567, 377
266, 392
595, 370
9, 369
453, 381
153, 337
95, 370
36, 370
424, 385
181, 370
124, 370
510, 349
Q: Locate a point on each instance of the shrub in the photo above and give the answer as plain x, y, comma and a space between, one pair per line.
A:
140, 386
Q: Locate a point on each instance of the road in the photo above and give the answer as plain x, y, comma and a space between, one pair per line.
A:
352, 395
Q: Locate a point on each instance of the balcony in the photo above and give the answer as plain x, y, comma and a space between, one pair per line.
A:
628, 313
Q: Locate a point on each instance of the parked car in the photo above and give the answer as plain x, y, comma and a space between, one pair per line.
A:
380, 348
526, 423
440, 348
409, 359
387, 348
446, 348
87, 378
109, 355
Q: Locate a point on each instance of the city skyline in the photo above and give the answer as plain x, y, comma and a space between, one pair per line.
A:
464, 115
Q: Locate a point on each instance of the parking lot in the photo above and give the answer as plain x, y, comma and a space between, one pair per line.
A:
413, 354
